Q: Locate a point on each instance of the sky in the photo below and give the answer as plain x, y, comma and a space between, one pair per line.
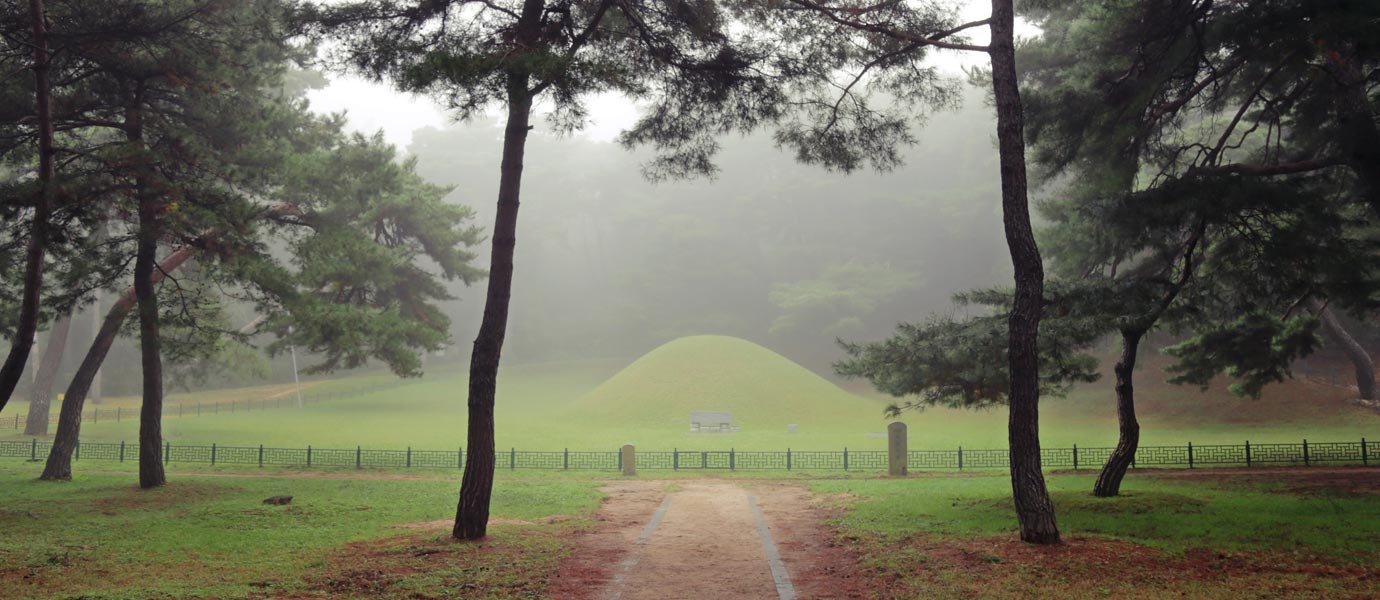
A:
371, 106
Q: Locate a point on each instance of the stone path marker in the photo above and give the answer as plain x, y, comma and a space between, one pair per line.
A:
896, 449
629, 460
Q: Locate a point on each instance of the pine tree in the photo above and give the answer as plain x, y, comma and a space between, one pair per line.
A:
473, 55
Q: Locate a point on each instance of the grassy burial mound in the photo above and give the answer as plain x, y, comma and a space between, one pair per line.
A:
764, 390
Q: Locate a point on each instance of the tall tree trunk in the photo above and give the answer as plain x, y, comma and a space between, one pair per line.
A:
1109, 481
43, 206
472, 514
1034, 509
146, 294
41, 395
145, 290
1365, 367
59, 466
97, 380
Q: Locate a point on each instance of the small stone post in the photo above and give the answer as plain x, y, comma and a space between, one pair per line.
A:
896, 449
629, 460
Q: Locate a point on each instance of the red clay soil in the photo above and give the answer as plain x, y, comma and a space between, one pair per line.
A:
706, 546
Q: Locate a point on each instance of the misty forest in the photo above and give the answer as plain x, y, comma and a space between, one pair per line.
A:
805, 299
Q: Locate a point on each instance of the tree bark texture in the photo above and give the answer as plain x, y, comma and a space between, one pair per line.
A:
476, 487
59, 466
23, 338
1034, 510
1109, 481
1360, 359
145, 291
151, 473
41, 394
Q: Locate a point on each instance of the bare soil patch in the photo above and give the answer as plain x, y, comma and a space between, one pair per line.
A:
707, 545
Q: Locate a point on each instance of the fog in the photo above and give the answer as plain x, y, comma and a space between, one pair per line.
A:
788, 256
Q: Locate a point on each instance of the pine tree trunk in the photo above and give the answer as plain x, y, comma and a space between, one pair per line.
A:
146, 295
1034, 510
145, 291
472, 514
27, 327
1360, 359
1109, 481
41, 395
97, 387
59, 466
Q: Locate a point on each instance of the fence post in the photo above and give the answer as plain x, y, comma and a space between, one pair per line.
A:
619, 453
1075, 457
213, 454
845, 459
1365, 458
1248, 453
960, 458
460, 457
731, 463
308, 455
1305, 453
33, 449
675, 459
1190, 455
565, 462
409, 457
512, 459
261, 455
788, 459
122, 451
167, 452
359, 455
704, 460
78, 444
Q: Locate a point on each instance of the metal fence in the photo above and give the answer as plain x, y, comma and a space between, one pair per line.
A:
200, 409
1307, 453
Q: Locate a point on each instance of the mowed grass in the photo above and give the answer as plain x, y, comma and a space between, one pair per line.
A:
1280, 534
601, 405
212, 537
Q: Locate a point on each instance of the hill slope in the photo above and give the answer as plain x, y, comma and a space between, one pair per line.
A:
762, 389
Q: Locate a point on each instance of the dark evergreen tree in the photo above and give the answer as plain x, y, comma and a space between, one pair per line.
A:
683, 57
26, 326
891, 37
1183, 124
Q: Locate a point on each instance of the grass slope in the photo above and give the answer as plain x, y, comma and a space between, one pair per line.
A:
600, 405
763, 390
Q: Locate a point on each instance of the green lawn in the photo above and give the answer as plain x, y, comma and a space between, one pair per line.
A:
101, 537
1281, 534
1172, 514
591, 405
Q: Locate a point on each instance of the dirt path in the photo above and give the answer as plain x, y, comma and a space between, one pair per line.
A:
707, 538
